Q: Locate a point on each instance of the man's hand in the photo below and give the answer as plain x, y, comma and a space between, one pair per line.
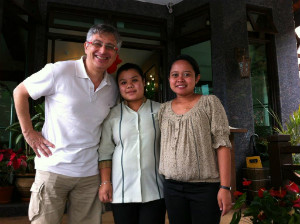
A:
38, 143
105, 193
224, 200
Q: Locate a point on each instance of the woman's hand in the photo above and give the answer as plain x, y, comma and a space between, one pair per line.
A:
224, 200
105, 192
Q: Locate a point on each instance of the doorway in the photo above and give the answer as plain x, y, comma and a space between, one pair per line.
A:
143, 40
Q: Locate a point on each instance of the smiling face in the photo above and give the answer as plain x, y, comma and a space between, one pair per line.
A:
183, 78
100, 58
131, 85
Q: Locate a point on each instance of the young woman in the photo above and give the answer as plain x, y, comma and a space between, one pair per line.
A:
195, 153
129, 154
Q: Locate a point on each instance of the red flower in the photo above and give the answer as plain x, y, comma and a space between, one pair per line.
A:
292, 187
261, 192
237, 193
17, 162
261, 216
296, 203
279, 194
14, 159
246, 182
114, 67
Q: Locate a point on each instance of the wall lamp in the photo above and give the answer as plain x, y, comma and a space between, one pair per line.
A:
244, 62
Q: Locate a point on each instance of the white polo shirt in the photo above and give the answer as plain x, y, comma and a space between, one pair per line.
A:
132, 141
74, 113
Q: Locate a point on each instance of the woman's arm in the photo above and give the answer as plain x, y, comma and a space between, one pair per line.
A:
105, 189
224, 162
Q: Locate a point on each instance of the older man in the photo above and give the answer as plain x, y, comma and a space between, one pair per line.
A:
78, 97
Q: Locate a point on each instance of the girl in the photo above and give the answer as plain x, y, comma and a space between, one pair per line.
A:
195, 153
129, 152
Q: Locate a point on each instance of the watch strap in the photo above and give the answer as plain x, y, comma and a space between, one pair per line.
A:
225, 187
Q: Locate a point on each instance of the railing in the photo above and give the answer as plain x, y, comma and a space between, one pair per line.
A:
282, 168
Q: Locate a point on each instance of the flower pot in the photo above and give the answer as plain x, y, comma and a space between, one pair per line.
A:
23, 184
6, 194
259, 177
256, 173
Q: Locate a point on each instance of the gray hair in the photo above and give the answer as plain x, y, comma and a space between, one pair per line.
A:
104, 28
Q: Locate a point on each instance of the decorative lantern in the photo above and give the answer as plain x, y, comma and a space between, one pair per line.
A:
244, 62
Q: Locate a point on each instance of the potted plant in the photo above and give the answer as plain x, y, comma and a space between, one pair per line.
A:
269, 206
10, 161
291, 127
37, 120
25, 177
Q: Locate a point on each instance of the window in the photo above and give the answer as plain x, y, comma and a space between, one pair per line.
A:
260, 89
264, 81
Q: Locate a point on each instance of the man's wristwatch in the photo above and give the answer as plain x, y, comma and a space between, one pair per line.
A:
225, 187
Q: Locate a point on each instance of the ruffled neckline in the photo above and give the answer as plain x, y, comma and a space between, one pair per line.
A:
192, 110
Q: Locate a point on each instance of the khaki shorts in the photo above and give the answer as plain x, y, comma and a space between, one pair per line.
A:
50, 192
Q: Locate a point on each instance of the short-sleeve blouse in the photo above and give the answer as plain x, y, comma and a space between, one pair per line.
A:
189, 141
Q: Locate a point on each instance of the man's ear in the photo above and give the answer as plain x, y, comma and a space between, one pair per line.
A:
85, 46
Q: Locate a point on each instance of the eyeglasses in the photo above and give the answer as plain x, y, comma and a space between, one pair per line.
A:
98, 44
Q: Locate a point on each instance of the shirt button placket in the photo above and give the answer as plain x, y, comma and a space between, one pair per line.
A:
91, 91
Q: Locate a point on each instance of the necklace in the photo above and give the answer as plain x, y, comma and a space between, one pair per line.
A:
187, 108
187, 104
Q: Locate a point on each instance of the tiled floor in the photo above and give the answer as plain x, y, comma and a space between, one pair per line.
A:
107, 218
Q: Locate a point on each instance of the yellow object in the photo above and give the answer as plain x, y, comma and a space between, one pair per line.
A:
253, 162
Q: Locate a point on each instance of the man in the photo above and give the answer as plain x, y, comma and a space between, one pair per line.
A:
78, 97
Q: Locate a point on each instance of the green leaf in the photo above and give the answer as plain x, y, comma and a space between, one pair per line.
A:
40, 108
38, 126
15, 130
240, 201
37, 116
18, 138
236, 217
13, 126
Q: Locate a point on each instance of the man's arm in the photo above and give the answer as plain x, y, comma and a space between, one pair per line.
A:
32, 137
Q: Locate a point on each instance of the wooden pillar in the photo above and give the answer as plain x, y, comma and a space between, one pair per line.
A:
277, 159
233, 164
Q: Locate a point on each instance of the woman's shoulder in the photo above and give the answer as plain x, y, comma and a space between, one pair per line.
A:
165, 104
164, 107
210, 99
154, 103
115, 111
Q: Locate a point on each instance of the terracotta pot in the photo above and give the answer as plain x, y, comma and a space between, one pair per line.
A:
6, 194
23, 184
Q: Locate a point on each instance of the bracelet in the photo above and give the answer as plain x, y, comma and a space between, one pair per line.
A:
105, 182
225, 187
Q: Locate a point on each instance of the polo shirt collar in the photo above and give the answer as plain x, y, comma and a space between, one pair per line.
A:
81, 72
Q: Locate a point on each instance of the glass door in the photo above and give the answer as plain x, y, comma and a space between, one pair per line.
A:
202, 54
193, 38
143, 40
